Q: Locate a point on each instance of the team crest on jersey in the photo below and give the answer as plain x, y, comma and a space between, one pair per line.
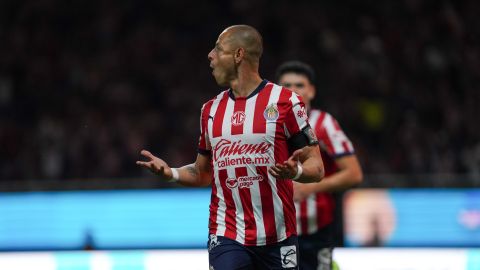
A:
271, 112
238, 118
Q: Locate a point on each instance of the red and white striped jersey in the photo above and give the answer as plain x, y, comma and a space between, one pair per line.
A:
245, 136
316, 211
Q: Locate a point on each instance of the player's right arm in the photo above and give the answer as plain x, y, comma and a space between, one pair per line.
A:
196, 174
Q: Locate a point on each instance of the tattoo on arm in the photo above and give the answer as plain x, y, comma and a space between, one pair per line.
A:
192, 170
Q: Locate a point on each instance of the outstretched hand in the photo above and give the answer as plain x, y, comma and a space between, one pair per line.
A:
288, 169
155, 165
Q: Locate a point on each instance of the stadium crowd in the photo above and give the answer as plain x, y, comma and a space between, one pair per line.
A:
84, 85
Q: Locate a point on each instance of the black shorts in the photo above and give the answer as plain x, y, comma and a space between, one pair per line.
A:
227, 254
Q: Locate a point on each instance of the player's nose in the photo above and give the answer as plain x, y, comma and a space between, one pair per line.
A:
210, 56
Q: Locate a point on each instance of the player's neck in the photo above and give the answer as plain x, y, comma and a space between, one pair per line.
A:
245, 84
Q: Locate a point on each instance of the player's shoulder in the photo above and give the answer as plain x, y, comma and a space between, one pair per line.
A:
286, 96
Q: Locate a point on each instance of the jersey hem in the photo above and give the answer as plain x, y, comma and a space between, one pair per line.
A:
254, 244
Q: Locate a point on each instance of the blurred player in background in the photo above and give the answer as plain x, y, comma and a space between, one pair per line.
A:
315, 203
255, 139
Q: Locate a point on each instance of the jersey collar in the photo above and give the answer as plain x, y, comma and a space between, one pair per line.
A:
256, 91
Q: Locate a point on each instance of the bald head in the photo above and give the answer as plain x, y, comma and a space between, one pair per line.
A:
246, 37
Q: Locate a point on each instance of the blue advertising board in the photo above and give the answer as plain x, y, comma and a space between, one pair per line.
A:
170, 218
178, 218
413, 218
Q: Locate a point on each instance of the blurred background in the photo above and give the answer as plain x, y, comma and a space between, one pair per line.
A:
85, 85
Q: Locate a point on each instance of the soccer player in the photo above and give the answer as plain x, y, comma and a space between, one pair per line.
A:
255, 139
315, 203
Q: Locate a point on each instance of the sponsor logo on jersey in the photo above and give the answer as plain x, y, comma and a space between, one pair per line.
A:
243, 181
238, 118
231, 182
225, 148
239, 161
271, 112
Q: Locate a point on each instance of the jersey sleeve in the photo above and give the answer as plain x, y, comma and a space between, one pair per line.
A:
332, 138
204, 146
296, 117
297, 128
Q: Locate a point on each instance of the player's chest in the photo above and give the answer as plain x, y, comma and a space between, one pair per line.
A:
250, 124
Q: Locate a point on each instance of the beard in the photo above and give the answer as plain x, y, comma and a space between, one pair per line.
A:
223, 76
221, 81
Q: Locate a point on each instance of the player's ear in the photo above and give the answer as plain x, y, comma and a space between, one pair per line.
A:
239, 55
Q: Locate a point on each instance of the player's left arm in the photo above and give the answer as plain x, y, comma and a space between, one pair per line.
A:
305, 165
349, 174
